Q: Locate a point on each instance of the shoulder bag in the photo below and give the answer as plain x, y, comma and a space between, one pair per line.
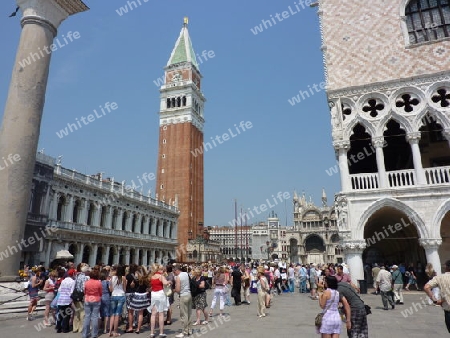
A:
77, 295
319, 317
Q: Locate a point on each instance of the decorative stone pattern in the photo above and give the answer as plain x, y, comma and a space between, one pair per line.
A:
364, 43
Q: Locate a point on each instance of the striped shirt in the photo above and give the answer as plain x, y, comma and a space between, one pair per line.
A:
65, 291
443, 283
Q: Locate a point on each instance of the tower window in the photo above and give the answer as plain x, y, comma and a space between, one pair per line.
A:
164, 141
165, 128
162, 186
168, 103
427, 20
178, 101
163, 155
184, 101
162, 171
173, 102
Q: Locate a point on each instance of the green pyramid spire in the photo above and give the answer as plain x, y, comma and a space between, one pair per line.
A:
183, 51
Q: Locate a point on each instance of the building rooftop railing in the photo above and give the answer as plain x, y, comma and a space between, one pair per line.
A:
110, 187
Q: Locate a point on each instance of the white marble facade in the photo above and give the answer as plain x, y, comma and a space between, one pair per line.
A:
388, 86
99, 221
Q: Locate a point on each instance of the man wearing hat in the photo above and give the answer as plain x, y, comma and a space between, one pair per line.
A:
397, 281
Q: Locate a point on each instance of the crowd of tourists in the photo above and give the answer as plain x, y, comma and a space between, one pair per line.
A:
91, 300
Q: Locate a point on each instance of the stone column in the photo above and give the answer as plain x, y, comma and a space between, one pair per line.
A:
137, 228
93, 255
153, 226
378, 143
342, 148
118, 225
45, 206
136, 256
116, 256
146, 225
68, 210
152, 256
105, 255
20, 129
145, 257
174, 230
127, 256
79, 257
128, 221
353, 250
108, 221
84, 211
54, 206
431, 246
48, 253
413, 139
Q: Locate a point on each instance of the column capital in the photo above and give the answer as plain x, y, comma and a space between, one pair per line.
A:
413, 137
378, 142
430, 243
49, 13
353, 246
341, 144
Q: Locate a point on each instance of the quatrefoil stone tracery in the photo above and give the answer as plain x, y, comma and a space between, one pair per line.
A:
408, 102
442, 97
373, 107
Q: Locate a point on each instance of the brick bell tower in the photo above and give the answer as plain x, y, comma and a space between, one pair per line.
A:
180, 166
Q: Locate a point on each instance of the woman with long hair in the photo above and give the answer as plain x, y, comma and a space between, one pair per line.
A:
49, 288
117, 288
130, 290
36, 282
329, 302
139, 301
430, 274
199, 303
158, 299
170, 276
220, 280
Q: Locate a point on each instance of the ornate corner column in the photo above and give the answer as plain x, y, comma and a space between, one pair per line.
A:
431, 246
413, 139
342, 148
20, 129
353, 250
378, 143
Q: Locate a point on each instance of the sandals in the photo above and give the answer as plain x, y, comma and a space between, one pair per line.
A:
195, 324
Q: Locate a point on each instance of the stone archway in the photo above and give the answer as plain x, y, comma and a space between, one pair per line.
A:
86, 254
444, 249
392, 238
315, 249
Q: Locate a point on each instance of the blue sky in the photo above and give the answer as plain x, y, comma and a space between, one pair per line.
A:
251, 77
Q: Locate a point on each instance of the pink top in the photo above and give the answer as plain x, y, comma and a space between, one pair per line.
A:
92, 291
156, 283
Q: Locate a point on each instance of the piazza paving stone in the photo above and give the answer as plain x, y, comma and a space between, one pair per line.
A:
291, 314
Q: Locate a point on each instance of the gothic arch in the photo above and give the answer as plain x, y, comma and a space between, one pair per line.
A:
363, 122
421, 228
401, 120
436, 114
443, 209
